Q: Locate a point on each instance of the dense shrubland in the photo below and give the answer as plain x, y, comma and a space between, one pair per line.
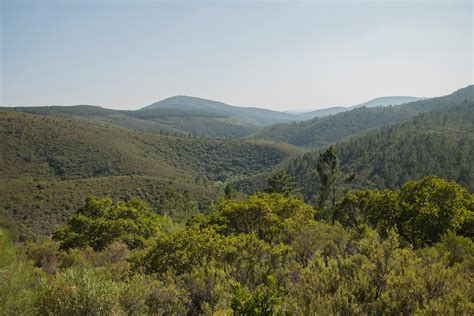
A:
390, 252
38, 208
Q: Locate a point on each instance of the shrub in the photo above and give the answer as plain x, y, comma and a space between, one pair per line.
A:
100, 222
79, 292
17, 281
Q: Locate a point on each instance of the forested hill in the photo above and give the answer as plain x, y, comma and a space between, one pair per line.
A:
50, 147
246, 115
175, 121
321, 132
180, 114
49, 165
440, 143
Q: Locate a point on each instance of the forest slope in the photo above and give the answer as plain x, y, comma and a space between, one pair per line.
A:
439, 143
49, 165
324, 131
45, 147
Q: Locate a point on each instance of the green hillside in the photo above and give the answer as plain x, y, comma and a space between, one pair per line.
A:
202, 123
195, 121
321, 132
324, 131
50, 164
37, 208
180, 114
43, 147
188, 115
439, 143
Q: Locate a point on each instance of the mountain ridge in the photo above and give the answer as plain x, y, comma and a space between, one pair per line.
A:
323, 131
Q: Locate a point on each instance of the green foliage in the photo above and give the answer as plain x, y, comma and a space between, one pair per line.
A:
440, 143
422, 211
458, 248
79, 292
177, 115
43, 147
229, 191
209, 288
261, 302
263, 214
50, 164
378, 208
394, 252
17, 281
101, 222
182, 249
323, 131
378, 277
38, 208
431, 207
328, 171
262, 256
317, 237
281, 182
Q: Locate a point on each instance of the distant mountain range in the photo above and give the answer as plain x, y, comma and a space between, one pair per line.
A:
247, 115
382, 101
191, 115
263, 117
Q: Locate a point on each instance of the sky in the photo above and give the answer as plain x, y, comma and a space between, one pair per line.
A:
276, 55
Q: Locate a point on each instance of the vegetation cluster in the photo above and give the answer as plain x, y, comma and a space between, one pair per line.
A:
391, 252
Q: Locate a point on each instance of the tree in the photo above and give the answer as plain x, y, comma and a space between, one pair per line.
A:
328, 171
422, 211
431, 207
263, 214
379, 209
100, 222
229, 191
281, 182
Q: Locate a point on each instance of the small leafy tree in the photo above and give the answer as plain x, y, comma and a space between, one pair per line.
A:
263, 214
100, 222
422, 211
431, 207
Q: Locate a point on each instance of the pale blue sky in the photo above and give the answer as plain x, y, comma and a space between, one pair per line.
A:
309, 55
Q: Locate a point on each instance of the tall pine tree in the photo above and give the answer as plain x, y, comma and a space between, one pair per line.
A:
328, 171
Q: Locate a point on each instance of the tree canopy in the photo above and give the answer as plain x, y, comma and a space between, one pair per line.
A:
101, 222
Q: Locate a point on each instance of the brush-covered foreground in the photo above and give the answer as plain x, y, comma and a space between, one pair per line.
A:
268, 254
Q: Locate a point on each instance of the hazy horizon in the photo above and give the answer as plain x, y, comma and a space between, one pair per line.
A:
291, 110
279, 56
